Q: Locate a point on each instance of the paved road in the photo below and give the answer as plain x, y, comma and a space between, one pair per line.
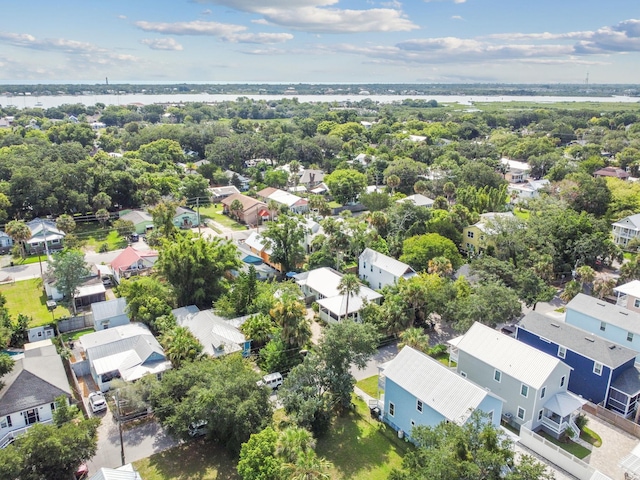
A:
384, 354
140, 441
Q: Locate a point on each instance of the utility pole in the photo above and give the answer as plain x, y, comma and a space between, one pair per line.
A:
198, 212
44, 233
120, 425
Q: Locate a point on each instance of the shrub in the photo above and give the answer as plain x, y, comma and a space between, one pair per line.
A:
581, 421
104, 247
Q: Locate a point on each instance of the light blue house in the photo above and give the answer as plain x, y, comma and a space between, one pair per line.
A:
615, 323
110, 313
419, 390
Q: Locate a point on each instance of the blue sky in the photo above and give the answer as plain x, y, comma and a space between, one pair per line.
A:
324, 41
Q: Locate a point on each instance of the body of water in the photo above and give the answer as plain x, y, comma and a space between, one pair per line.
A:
31, 101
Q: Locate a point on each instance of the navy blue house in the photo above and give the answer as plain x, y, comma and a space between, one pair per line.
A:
603, 372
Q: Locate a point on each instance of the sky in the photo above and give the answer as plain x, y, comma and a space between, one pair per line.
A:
320, 41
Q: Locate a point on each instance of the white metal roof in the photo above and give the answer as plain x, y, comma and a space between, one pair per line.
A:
512, 357
631, 288
109, 309
442, 389
212, 332
386, 263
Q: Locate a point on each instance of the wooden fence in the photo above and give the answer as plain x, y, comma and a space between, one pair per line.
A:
613, 418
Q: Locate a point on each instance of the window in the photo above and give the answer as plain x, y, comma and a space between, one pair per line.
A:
31, 416
597, 368
521, 413
562, 381
629, 337
392, 409
364, 265
6, 422
470, 234
562, 351
603, 326
524, 390
497, 375
540, 415
543, 391
463, 374
379, 285
637, 303
52, 406
372, 268
413, 424
419, 406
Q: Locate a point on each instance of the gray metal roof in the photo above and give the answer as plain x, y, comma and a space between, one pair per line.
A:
36, 379
512, 357
109, 309
577, 340
442, 389
386, 263
605, 312
629, 381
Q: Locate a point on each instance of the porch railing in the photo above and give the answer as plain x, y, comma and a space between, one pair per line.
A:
11, 436
556, 427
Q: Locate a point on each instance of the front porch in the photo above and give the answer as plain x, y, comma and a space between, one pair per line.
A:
558, 415
11, 436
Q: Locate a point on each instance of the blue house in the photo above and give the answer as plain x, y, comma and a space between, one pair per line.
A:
615, 323
419, 390
599, 365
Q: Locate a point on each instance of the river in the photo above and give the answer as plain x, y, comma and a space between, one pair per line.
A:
30, 101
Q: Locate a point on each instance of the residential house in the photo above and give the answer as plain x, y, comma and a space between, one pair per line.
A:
528, 190
617, 324
132, 262
628, 295
253, 212
363, 159
418, 200
125, 472
238, 180
45, 236
110, 313
258, 247
515, 171
217, 335
91, 290
311, 178
613, 172
321, 285
30, 390
142, 221
45, 332
293, 202
420, 391
476, 238
220, 193
6, 243
626, 229
186, 218
532, 383
250, 259
380, 270
603, 372
128, 352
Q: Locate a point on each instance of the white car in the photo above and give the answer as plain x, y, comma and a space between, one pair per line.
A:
97, 402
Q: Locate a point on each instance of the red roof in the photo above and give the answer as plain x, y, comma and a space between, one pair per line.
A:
130, 256
263, 213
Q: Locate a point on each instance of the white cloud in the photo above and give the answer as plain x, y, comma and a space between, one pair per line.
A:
122, 17
161, 43
225, 31
313, 16
263, 38
456, 17
206, 12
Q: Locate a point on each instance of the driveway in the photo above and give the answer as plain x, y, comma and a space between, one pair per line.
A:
140, 441
383, 355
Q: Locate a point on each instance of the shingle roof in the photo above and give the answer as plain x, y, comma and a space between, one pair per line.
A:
386, 263
604, 312
512, 357
631, 219
442, 389
577, 340
136, 216
628, 381
246, 201
36, 379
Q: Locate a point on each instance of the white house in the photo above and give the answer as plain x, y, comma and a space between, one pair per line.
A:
533, 384
110, 313
321, 284
628, 295
527, 190
45, 236
30, 390
293, 202
515, 171
380, 270
125, 472
418, 200
626, 229
129, 352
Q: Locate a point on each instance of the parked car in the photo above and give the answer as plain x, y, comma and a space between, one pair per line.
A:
82, 472
97, 402
198, 429
272, 380
134, 237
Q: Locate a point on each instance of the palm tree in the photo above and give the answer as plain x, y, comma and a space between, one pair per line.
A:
290, 315
235, 208
292, 442
103, 216
571, 289
349, 285
307, 467
449, 189
421, 186
603, 287
440, 265
190, 167
393, 181
66, 223
180, 346
586, 275
273, 206
19, 233
259, 329
415, 338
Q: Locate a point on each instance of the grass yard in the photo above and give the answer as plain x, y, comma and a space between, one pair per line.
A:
214, 212
591, 437
521, 213
72, 336
28, 297
573, 448
369, 386
197, 460
360, 447
29, 260
93, 236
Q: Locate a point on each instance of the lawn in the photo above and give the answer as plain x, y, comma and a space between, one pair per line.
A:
93, 236
573, 448
369, 386
28, 260
591, 437
72, 336
214, 212
360, 447
28, 297
196, 460
521, 213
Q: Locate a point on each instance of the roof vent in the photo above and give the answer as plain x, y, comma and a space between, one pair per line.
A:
555, 325
612, 347
601, 304
624, 313
589, 339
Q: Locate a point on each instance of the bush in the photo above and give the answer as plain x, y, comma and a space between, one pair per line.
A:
581, 421
104, 247
437, 350
315, 307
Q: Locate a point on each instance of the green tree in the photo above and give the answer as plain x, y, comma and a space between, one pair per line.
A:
350, 286
148, 300
19, 233
197, 268
393, 182
6, 365
101, 201
69, 270
308, 466
124, 227
415, 338
162, 215
489, 303
571, 289
180, 346
66, 223
346, 185
103, 216
258, 460
284, 237
418, 250
290, 315
259, 329
236, 209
